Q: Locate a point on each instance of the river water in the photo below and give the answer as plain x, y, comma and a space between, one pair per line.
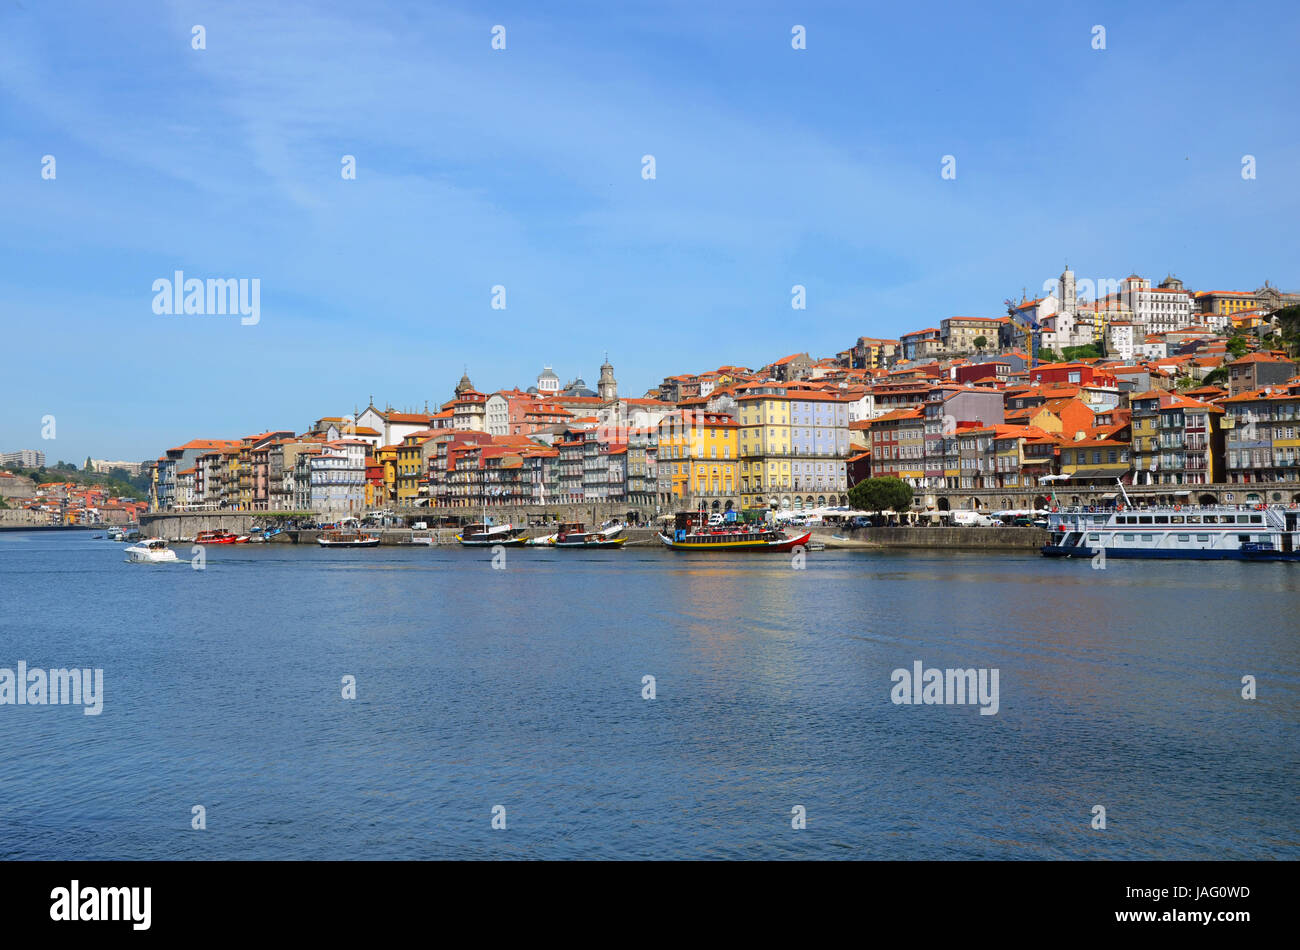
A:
523, 688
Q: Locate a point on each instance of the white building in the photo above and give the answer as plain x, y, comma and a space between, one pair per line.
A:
26, 458
337, 476
1122, 339
1159, 309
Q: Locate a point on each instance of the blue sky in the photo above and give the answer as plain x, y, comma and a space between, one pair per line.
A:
522, 168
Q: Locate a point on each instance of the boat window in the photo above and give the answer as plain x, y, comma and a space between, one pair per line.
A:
1094, 537
1202, 537
1243, 538
1213, 519
1130, 537
1176, 519
1162, 519
1256, 519
1144, 519
1184, 537
1193, 519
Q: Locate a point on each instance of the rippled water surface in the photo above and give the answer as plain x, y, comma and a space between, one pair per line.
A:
522, 687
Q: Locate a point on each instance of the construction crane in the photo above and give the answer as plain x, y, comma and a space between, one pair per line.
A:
1031, 327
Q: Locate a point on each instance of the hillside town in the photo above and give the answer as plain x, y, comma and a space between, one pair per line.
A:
1148, 386
24, 501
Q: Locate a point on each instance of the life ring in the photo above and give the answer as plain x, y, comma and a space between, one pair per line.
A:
1053, 508
1178, 507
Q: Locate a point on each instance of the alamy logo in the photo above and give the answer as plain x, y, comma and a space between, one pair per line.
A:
213, 297
935, 687
53, 688
103, 903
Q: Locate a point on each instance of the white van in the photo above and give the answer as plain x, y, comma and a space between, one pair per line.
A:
420, 526
972, 519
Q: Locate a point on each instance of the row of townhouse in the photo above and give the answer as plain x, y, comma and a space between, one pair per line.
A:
1160, 437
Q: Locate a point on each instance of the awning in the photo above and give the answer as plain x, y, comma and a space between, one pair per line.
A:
1097, 473
1110, 494
1183, 494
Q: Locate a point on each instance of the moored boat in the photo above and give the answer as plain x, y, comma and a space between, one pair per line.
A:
480, 534
347, 539
574, 534
150, 551
691, 532
218, 537
1185, 532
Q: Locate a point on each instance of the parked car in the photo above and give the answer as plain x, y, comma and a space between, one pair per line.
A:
860, 521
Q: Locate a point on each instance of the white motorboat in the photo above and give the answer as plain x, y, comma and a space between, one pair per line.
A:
150, 551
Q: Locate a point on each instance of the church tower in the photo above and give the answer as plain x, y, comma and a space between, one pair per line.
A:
1069, 298
607, 387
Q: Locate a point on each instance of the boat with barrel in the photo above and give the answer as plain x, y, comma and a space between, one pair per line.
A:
693, 532
150, 551
481, 534
1191, 532
574, 534
347, 538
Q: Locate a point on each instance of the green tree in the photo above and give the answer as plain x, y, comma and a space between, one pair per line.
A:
1288, 319
1087, 351
881, 494
1215, 377
980, 342
1237, 346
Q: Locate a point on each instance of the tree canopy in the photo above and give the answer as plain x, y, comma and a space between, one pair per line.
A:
881, 494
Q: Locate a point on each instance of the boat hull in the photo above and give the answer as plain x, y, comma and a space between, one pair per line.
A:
756, 544
345, 542
1170, 554
504, 542
603, 543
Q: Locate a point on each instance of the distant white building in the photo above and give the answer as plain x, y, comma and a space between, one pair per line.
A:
25, 458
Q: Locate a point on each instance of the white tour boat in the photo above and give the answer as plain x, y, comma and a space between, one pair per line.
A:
1211, 532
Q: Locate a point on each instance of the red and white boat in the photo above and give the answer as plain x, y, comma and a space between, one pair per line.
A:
219, 537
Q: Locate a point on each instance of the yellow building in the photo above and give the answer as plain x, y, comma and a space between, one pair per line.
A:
700, 452
386, 456
794, 448
409, 467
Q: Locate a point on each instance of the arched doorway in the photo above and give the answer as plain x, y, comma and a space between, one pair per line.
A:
715, 506
785, 501
943, 504
821, 501
1252, 498
974, 503
728, 506
1207, 500
1041, 502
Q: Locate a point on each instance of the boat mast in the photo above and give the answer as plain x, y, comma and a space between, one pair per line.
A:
1120, 483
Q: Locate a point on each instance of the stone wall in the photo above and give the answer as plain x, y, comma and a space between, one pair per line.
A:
985, 539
